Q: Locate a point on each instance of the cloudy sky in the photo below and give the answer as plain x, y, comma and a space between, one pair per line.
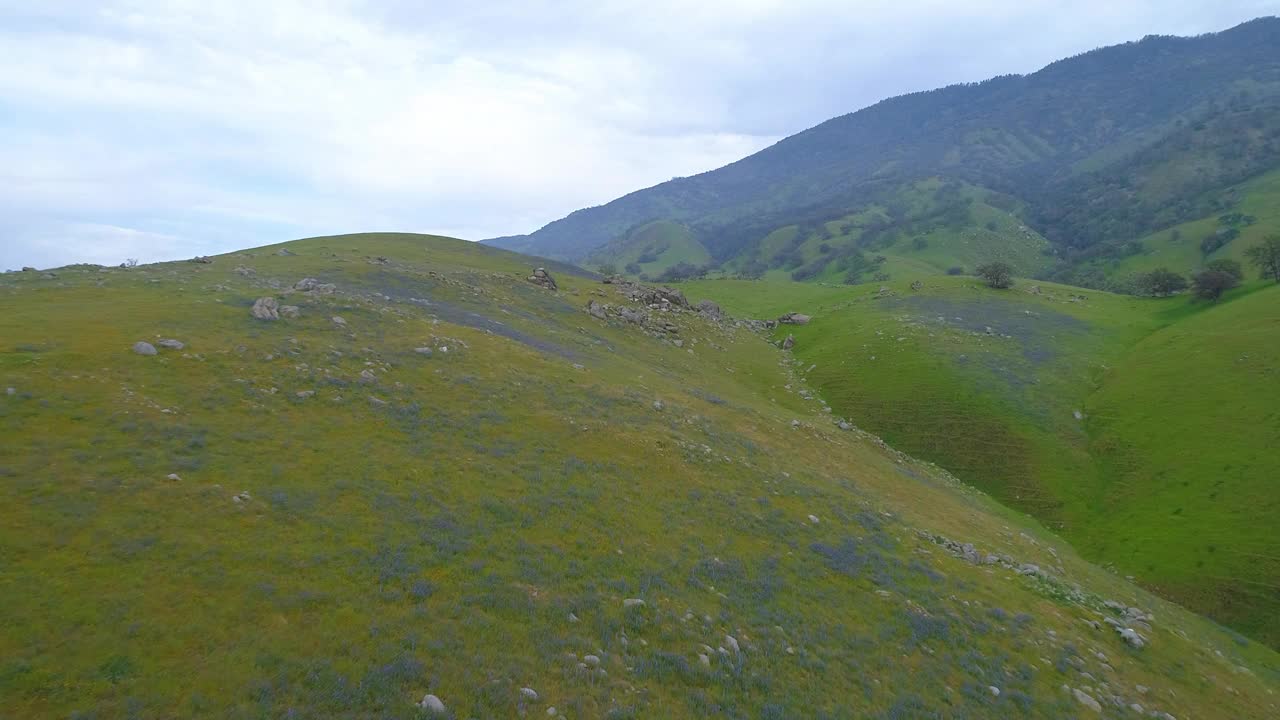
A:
161, 129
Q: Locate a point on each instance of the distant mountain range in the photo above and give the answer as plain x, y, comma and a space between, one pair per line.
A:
1049, 171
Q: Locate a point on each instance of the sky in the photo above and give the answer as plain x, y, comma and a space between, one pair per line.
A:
164, 129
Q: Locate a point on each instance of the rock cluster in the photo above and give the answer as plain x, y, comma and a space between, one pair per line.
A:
542, 278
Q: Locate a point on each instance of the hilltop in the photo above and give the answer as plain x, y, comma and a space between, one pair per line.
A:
418, 468
1047, 171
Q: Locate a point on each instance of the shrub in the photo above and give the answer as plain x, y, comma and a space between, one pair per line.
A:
1266, 257
1210, 284
1228, 266
1160, 282
957, 270
997, 274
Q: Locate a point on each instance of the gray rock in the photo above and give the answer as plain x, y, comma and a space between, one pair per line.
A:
703, 660
432, 704
657, 405
11, 391
338, 320
789, 343
266, 308
306, 284
596, 310
304, 394
794, 318
917, 285
633, 316
543, 278
424, 351
632, 602
368, 376
144, 348
731, 642
995, 691
1130, 636
1086, 700
284, 252
27, 268
529, 694
172, 476
710, 309
171, 344
591, 660
290, 311
844, 425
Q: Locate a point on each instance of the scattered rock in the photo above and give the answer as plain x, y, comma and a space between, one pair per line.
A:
1131, 636
172, 476
633, 316
794, 318
596, 310
703, 660
338, 320
144, 348
710, 309
290, 311
844, 425
1077, 415
241, 497
306, 284
657, 405
731, 642
917, 285
995, 691
284, 252
266, 308
304, 394
813, 519
632, 602
11, 391
1086, 700
789, 343
171, 344
432, 704
368, 376
424, 351
591, 660
202, 259
529, 694
542, 278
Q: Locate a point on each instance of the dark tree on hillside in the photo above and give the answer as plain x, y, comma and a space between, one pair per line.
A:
1266, 257
996, 274
1161, 282
1228, 266
1210, 284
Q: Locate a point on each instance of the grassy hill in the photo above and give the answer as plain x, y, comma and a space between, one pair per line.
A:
438, 477
651, 249
1067, 404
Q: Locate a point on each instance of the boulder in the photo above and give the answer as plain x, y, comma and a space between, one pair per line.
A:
596, 310
633, 316
144, 348
202, 260
710, 309
28, 268
674, 297
432, 705
290, 311
543, 278
266, 308
171, 344
339, 321
306, 284
794, 318
789, 343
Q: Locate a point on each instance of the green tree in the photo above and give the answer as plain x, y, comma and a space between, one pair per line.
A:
996, 274
1266, 257
607, 269
1160, 282
1210, 284
1228, 266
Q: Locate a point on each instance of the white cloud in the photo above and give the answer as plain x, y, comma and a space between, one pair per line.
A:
191, 126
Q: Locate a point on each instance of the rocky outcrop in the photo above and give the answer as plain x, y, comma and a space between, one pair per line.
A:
794, 318
266, 308
542, 278
710, 310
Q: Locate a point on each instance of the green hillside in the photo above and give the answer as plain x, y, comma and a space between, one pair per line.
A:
1253, 212
1000, 387
651, 249
430, 475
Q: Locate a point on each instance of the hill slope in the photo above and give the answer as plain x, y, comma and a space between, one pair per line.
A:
1109, 145
1139, 428
354, 522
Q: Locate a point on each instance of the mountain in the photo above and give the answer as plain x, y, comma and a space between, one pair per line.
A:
348, 472
1106, 146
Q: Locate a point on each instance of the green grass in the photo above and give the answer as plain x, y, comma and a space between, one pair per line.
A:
438, 539
999, 408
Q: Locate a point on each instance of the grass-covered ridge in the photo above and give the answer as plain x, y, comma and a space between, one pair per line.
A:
1080, 407
473, 521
